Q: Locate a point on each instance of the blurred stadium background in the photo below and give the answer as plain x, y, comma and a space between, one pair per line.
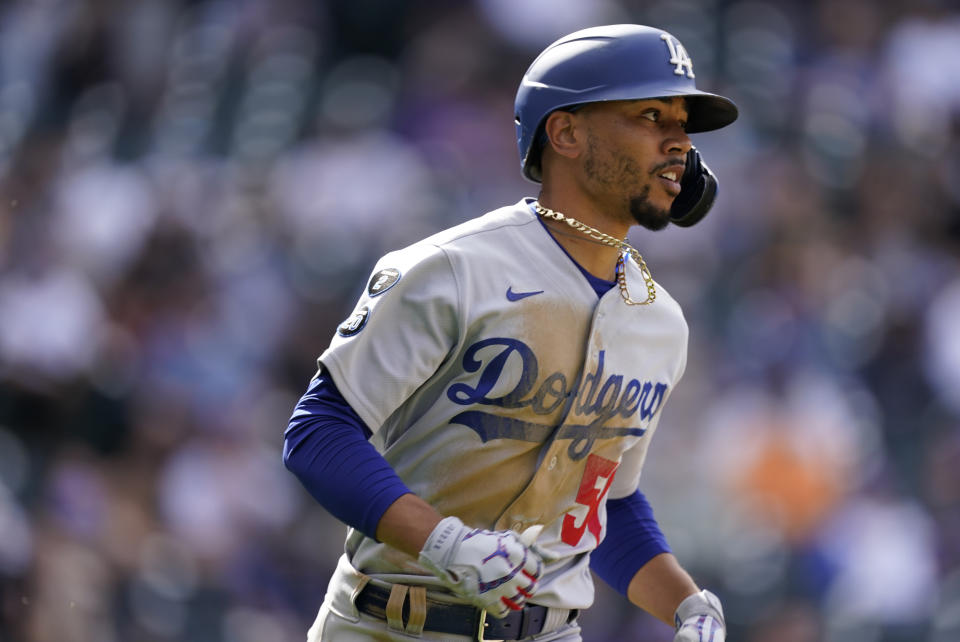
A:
193, 192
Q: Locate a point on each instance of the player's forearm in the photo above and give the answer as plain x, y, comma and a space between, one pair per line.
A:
407, 523
660, 585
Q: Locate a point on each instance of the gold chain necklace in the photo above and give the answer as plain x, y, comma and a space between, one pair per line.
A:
606, 239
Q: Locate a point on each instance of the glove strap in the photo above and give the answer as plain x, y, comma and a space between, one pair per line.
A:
702, 603
441, 545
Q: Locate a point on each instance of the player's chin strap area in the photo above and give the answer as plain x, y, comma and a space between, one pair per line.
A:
698, 191
456, 619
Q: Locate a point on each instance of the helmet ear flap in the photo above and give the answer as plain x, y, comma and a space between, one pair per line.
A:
532, 161
698, 191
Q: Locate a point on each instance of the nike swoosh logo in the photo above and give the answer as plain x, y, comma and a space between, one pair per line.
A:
516, 296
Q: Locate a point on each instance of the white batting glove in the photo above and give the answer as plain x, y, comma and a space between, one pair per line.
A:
492, 569
699, 618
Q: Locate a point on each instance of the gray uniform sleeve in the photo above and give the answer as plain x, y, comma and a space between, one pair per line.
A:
401, 330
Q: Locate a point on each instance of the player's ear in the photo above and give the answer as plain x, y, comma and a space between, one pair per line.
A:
564, 134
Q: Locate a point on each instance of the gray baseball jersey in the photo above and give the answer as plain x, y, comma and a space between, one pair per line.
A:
503, 392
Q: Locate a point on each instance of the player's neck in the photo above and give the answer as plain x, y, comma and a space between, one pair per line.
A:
595, 257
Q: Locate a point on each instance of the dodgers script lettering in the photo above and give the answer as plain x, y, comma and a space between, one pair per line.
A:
592, 400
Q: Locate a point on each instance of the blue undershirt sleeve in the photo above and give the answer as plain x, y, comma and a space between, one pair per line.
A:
633, 538
325, 446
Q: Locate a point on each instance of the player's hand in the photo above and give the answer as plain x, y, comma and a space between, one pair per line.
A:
494, 570
699, 618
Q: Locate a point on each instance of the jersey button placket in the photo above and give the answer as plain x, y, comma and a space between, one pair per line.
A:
553, 463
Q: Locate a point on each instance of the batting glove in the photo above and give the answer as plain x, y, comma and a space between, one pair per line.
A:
699, 618
492, 569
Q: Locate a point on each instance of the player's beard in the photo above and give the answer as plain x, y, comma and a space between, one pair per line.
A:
616, 169
646, 213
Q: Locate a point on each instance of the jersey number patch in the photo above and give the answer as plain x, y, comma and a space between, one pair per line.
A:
383, 281
597, 477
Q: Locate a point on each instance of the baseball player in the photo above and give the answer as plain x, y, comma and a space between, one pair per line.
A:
481, 419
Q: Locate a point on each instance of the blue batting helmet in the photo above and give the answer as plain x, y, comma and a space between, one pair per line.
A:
615, 62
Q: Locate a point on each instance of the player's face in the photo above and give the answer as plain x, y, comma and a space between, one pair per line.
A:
635, 156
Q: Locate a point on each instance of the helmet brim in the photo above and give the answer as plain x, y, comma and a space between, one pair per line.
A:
705, 112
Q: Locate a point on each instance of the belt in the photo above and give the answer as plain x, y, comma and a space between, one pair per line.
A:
462, 619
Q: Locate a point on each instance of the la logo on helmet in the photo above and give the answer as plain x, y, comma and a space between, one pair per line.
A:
678, 56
